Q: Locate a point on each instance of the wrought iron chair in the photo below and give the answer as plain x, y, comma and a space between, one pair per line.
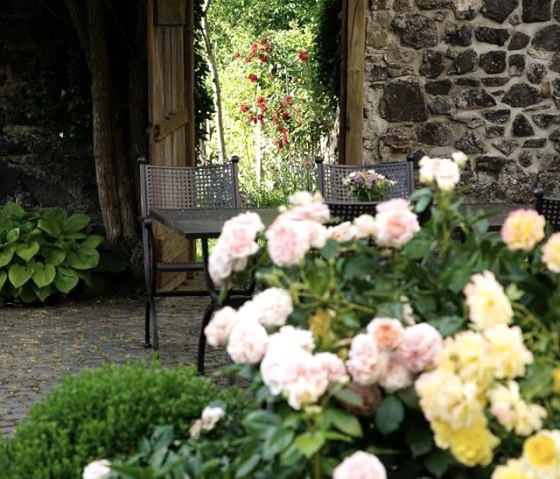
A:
168, 187
336, 194
549, 207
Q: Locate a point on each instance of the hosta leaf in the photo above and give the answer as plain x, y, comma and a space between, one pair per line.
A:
50, 226
3, 278
27, 251
66, 279
6, 255
75, 223
92, 241
12, 235
19, 274
83, 258
77, 236
53, 254
44, 292
43, 274
12, 210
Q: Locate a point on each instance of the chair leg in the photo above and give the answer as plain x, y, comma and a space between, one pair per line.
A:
202, 337
154, 324
147, 317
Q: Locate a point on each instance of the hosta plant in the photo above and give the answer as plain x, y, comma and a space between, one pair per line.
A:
43, 253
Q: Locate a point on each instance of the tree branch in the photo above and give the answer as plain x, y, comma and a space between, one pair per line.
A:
79, 19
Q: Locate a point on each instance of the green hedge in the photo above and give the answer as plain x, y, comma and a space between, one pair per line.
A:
102, 413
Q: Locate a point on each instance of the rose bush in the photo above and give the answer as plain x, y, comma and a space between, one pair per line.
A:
385, 348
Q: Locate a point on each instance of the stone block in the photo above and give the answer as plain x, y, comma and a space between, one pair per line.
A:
432, 64
490, 164
467, 81
497, 116
556, 11
555, 62
521, 95
535, 143
438, 87
402, 100
506, 146
470, 144
536, 11
459, 36
521, 127
536, 72
465, 62
544, 120
466, 9
474, 98
495, 81
519, 41
495, 131
496, 36
499, 10
435, 133
516, 64
493, 62
441, 105
415, 30
525, 159
547, 39
433, 4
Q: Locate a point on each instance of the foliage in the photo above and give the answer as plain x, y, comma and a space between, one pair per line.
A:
371, 303
44, 253
103, 413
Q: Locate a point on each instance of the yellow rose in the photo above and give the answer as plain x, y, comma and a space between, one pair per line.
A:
523, 229
512, 470
469, 445
551, 253
556, 381
540, 451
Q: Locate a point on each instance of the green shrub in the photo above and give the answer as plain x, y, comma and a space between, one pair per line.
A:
44, 253
103, 413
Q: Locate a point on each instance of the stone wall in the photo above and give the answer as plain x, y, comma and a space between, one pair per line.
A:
481, 76
43, 162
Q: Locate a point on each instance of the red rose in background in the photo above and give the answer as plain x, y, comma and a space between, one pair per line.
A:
236, 55
260, 117
303, 56
263, 41
254, 47
261, 100
248, 59
288, 100
244, 108
263, 58
252, 77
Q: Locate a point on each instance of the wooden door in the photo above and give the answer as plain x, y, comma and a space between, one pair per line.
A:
171, 107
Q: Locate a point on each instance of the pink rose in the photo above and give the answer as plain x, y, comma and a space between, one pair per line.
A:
218, 329
420, 347
314, 211
219, 266
366, 363
290, 336
333, 366
270, 307
395, 223
551, 253
247, 342
360, 465
386, 331
396, 377
365, 226
342, 232
287, 241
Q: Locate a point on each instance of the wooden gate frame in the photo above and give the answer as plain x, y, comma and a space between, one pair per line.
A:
171, 135
351, 105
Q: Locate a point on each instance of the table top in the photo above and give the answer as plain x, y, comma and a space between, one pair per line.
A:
201, 223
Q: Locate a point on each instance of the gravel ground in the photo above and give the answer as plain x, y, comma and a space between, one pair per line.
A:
39, 345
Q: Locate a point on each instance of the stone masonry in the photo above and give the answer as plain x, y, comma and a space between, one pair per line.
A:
480, 76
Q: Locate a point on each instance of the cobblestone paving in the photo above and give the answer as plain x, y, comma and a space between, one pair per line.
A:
39, 345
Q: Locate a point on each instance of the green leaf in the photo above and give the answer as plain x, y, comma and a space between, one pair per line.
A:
43, 274
3, 278
53, 254
76, 236
419, 440
418, 248
448, 325
437, 462
409, 397
310, 442
346, 422
92, 241
83, 258
389, 415
50, 226
12, 235
43, 293
75, 223
6, 255
12, 210
66, 279
248, 466
349, 397
277, 442
26, 252
19, 274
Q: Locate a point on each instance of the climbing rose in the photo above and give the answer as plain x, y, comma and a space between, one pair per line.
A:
270, 307
360, 465
247, 342
523, 229
218, 329
419, 347
395, 223
303, 56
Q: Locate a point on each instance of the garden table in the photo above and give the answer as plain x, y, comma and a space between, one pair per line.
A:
204, 224
500, 210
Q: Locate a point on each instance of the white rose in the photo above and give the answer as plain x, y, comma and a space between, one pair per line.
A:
211, 416
247, 343
97, 470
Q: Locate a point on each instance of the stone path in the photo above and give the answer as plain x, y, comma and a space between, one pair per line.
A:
39, 345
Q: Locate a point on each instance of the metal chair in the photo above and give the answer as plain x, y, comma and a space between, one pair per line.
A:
549, 207
176, 188
330, 183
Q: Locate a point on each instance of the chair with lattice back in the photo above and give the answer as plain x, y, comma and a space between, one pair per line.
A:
549, 207
177, 188
330, 183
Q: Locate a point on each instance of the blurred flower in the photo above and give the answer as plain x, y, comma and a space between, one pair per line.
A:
303, 56
360, 465
252, 77
395, 223
523, 229
247, 342
100, 469
218, 329
551, 253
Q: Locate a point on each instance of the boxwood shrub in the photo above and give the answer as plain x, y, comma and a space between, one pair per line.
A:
103, 413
